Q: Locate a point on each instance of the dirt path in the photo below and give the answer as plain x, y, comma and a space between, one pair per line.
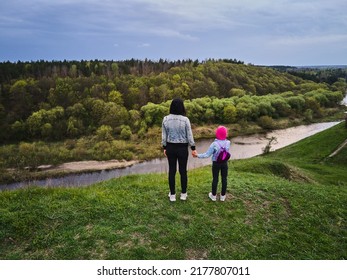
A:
339, 149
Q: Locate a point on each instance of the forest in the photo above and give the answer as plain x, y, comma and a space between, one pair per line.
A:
108, 101
318, 74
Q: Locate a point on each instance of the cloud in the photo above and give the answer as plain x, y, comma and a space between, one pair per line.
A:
174, 28
144, 45
179, 19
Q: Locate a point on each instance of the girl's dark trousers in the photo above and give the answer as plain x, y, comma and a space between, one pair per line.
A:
223, 169
177, 153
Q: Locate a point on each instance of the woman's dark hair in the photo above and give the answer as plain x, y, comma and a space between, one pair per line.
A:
177, 107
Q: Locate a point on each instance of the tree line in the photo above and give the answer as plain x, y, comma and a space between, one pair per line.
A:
322, 74
87, 68
59, 100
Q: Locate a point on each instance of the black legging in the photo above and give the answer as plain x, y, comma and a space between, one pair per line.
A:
174, 153
223, 168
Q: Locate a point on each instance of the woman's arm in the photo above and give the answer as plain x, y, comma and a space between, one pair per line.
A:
190, 135
163, 135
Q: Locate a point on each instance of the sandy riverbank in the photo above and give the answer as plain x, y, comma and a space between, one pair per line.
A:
77, 167
93, 165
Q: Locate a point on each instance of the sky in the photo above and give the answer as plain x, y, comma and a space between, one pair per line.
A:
260, 32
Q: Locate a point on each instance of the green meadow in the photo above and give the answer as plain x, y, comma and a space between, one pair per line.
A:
289, 204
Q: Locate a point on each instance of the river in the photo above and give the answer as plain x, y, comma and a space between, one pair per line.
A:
241, 147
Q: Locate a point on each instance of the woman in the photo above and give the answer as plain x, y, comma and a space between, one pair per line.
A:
176, 136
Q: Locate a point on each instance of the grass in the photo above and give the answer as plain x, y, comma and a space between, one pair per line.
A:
312, 155
290, 204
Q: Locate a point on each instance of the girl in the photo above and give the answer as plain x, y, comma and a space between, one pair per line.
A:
217, 144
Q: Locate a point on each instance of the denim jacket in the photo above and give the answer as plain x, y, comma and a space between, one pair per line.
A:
177, 129
214, 148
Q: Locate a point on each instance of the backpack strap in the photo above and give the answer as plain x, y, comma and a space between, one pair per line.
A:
220, 146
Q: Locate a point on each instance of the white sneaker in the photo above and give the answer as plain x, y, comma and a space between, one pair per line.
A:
184, 196
172, 197
222, 197
212, 197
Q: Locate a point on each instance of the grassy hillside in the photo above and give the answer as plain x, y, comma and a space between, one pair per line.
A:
312, 155
288, 205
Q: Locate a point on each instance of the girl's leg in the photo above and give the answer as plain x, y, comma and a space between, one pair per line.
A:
224, 174
215, 175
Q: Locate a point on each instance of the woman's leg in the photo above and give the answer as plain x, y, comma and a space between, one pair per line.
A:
182, 167
172, 159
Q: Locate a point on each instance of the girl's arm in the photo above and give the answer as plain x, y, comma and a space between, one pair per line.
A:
208, 153
228, 145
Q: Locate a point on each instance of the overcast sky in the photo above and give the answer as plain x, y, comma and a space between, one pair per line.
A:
263, 32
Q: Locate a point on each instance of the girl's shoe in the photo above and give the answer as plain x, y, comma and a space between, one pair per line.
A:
212, 197
184, 196
172, 197
222, 197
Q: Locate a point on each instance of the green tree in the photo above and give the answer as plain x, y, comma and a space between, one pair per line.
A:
114, 115
75, 127
21, 101
104, 133
230, 114
97, 107
135, 119
282, 108
154, 113
312, 107
73, 71
297, 103
264, 108
218, 109
340, 85
116, 97
209, 115
46, 131
63, 94
334, 98
35, 121
115, 69
195, 112
237, 92
125, 133
266, 122
18, 130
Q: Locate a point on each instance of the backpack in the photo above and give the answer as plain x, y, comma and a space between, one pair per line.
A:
223, 155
